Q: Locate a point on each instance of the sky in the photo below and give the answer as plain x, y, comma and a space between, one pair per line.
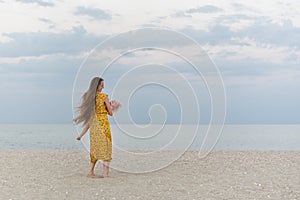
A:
255, 47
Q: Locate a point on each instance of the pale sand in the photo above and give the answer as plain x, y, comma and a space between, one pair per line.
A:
49, 174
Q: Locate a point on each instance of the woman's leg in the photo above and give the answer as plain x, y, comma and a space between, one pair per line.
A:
105, 168
92, 166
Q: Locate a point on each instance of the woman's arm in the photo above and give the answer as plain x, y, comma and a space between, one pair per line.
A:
106, 101
86, 128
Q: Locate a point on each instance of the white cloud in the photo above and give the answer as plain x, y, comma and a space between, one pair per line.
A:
94, 13
38, 2
71, 41
246, 48
205, 9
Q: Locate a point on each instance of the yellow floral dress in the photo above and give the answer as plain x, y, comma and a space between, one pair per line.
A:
100, 135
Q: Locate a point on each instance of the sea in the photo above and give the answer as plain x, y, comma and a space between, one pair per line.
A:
149, 137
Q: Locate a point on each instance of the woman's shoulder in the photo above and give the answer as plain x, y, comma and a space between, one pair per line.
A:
103, 94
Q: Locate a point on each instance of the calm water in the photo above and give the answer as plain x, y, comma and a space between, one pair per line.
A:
233, 137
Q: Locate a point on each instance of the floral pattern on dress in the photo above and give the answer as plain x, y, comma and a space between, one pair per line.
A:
100, 135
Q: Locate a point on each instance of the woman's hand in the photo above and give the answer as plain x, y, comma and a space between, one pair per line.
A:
115, 105
86, 128
108, 106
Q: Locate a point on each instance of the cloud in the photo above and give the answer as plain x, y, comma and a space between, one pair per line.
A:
52, 64
243, 49
265, 31
48, 21
181, 14
242, 7
38, 2
263, 39
217, 34
45, 43
94, 13
239, 19
205, 9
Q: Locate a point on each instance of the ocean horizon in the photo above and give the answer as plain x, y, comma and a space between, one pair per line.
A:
233, 137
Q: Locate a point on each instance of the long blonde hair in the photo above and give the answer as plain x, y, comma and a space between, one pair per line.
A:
87, 107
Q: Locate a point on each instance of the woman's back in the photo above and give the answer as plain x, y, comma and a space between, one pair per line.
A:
100, 107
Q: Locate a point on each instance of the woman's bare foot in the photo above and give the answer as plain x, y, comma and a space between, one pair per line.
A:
94, 176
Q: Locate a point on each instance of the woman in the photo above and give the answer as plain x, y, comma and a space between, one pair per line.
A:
93, 113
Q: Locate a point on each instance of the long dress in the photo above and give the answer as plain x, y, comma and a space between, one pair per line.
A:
100, 135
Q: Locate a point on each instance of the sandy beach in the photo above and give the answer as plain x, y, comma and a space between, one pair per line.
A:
57, 174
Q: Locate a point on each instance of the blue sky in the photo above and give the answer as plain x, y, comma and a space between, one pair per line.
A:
256, 47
